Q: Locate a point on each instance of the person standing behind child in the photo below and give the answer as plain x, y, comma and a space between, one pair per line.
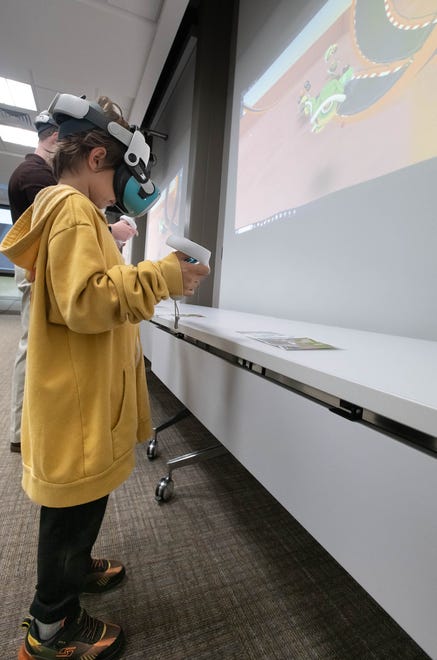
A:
86, 402
31, 176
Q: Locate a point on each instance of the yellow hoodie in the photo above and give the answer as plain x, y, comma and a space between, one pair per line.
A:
85, 403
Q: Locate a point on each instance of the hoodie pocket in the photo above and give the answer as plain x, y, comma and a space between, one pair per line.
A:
125, 430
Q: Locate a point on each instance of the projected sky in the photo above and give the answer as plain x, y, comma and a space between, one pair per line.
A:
352, 98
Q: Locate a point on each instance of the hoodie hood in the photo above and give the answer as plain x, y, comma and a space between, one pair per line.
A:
21, 243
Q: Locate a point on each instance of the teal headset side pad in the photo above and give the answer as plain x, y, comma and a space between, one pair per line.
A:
136, 200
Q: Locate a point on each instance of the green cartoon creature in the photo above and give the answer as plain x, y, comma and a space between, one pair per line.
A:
321, 109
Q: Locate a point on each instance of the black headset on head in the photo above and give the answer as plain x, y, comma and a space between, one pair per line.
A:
134, 190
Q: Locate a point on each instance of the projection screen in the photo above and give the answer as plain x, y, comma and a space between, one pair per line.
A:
329, 213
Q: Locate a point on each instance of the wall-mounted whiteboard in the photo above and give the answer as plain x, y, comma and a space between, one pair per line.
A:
329, 207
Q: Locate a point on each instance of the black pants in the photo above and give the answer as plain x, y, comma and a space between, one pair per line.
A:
66, 538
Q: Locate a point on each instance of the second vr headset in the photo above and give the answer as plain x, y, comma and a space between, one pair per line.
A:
135, 192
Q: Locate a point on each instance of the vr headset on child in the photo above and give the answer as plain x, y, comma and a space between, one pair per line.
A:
135, 192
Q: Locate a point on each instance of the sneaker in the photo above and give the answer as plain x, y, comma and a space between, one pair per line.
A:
104, 575
79, 638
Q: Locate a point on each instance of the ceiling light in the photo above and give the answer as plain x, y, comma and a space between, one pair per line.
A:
18, 136
16, 94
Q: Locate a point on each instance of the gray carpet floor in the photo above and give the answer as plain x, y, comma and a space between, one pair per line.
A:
219, 572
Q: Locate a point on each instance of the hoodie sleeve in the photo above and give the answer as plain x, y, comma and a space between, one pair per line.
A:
89, 295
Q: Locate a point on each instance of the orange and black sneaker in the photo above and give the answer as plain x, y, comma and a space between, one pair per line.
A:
79, 638
104, 575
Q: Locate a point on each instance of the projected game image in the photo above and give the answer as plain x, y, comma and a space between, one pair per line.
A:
352, 98
164, 219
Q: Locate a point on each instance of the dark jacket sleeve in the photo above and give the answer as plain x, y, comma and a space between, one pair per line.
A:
40, 179
26, 181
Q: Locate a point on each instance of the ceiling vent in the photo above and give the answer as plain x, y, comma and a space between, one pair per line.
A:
16, 118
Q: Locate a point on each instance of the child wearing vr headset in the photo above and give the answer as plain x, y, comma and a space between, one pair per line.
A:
86, 403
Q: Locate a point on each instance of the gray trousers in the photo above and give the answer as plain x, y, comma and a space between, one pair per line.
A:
19, 372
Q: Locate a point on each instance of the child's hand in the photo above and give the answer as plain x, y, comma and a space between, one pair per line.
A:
122, 231
192, 274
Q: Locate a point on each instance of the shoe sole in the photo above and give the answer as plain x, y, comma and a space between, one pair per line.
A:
108, 654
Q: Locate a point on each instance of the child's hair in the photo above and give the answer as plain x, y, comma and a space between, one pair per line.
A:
73, 149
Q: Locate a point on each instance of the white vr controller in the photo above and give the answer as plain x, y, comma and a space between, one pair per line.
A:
196, 254
130, 221
195, 251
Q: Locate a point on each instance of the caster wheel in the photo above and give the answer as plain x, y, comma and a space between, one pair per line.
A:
151, 450
164, 489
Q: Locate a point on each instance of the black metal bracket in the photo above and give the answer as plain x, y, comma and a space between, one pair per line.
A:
348, 410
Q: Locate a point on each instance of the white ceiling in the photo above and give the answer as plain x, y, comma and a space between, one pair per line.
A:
93, 47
